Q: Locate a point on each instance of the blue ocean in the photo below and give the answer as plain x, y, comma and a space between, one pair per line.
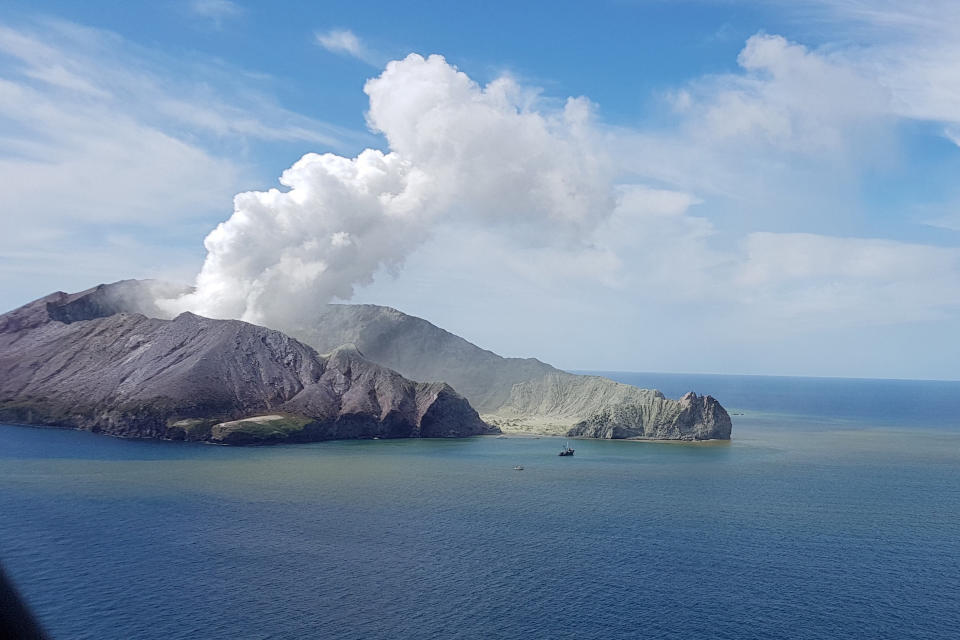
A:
833, 513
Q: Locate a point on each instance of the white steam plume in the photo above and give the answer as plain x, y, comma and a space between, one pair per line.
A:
457, 151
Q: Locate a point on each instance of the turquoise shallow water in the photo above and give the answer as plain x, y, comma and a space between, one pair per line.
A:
806, 525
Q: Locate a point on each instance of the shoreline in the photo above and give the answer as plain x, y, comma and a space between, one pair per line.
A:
532, 435
525, 435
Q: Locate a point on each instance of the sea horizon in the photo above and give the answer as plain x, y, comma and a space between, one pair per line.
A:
792, 529
608, 372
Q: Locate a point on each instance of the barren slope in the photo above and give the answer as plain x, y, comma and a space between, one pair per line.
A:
71, 360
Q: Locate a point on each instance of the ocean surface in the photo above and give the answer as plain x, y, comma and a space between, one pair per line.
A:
833, 513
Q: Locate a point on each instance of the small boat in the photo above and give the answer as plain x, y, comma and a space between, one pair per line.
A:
519, 467
566, 451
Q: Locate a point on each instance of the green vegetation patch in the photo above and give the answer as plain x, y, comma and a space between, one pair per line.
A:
260, 429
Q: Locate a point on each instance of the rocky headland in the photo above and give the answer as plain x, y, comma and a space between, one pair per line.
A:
95, 360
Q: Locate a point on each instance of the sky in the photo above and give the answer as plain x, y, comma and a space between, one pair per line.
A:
761, 187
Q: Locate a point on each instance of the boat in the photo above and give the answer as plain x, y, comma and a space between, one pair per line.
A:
566, 451
519, 467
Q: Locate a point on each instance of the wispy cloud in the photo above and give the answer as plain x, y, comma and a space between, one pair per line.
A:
909, 47
346, 42
95, 130
217, 11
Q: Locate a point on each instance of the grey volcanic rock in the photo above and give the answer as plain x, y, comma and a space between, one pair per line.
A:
692, 418
125, 296
80, 361
514, 393
422, 351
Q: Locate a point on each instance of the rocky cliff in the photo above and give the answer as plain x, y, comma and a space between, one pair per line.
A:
85, 361
595, 407
693, 417
513, 393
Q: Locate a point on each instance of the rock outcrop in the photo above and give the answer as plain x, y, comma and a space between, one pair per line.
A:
85, 361
518, 394
693, 417
595, 407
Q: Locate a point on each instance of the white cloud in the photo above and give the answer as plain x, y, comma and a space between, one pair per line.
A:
346, 42
491, 152
816, 280
787, 142
459, 152
910, 48
531, 192
786, 100
663, 288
